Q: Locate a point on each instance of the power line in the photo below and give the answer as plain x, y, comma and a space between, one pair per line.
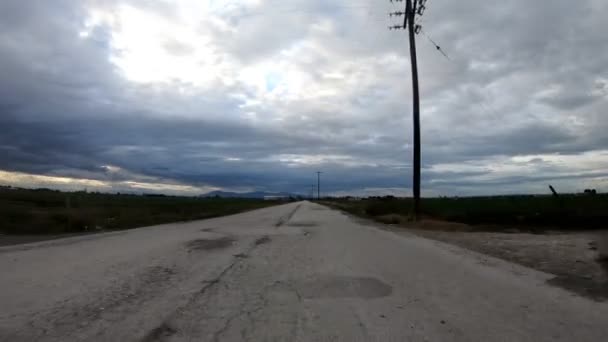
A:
435, 44
418, 21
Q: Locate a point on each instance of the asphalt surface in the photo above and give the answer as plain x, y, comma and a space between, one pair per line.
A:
297, 272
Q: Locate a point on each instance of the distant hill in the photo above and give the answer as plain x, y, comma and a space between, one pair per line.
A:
255, 194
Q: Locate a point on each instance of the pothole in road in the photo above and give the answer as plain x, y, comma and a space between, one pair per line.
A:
262, 240
157, 274
210, 244
159, 333
303, 224
344, 287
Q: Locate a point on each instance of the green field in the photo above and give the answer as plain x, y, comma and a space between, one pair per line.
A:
46, 211
569, 212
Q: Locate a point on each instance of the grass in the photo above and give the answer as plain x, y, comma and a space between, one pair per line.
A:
568, 212
44, 211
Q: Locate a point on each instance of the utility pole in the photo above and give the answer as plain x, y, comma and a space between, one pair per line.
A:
413, 8
411, 14
319, 185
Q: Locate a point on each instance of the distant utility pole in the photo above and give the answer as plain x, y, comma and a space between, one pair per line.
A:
319, 185
413, 8
312, 191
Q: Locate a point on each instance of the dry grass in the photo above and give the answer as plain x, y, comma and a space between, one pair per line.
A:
530, 213
52, 212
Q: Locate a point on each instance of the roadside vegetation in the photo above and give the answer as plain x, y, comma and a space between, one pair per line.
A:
44, 211
567, 212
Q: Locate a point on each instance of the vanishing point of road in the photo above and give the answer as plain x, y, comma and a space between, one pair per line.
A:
295, 272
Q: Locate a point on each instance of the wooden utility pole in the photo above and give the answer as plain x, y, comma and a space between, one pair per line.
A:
412, 8
410, 15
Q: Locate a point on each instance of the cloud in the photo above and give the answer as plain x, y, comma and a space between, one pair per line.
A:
245, 95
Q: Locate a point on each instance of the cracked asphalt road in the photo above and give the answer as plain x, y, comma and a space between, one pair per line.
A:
296, 272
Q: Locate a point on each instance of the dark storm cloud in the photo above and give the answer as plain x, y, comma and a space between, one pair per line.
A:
190, 152
523, 79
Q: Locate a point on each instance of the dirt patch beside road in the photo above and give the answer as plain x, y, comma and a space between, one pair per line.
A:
572, 257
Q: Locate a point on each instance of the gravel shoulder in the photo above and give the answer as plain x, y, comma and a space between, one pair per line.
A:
572, 257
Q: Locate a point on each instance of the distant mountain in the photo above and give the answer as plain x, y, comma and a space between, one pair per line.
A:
255, 194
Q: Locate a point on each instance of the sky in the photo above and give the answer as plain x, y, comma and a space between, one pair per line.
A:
191, 96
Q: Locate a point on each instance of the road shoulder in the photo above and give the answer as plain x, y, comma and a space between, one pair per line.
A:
570, 259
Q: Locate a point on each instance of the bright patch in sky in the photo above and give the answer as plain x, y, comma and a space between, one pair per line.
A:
149, 48
272, 80
186, 47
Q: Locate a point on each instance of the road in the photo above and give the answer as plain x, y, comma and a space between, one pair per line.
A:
296, 272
